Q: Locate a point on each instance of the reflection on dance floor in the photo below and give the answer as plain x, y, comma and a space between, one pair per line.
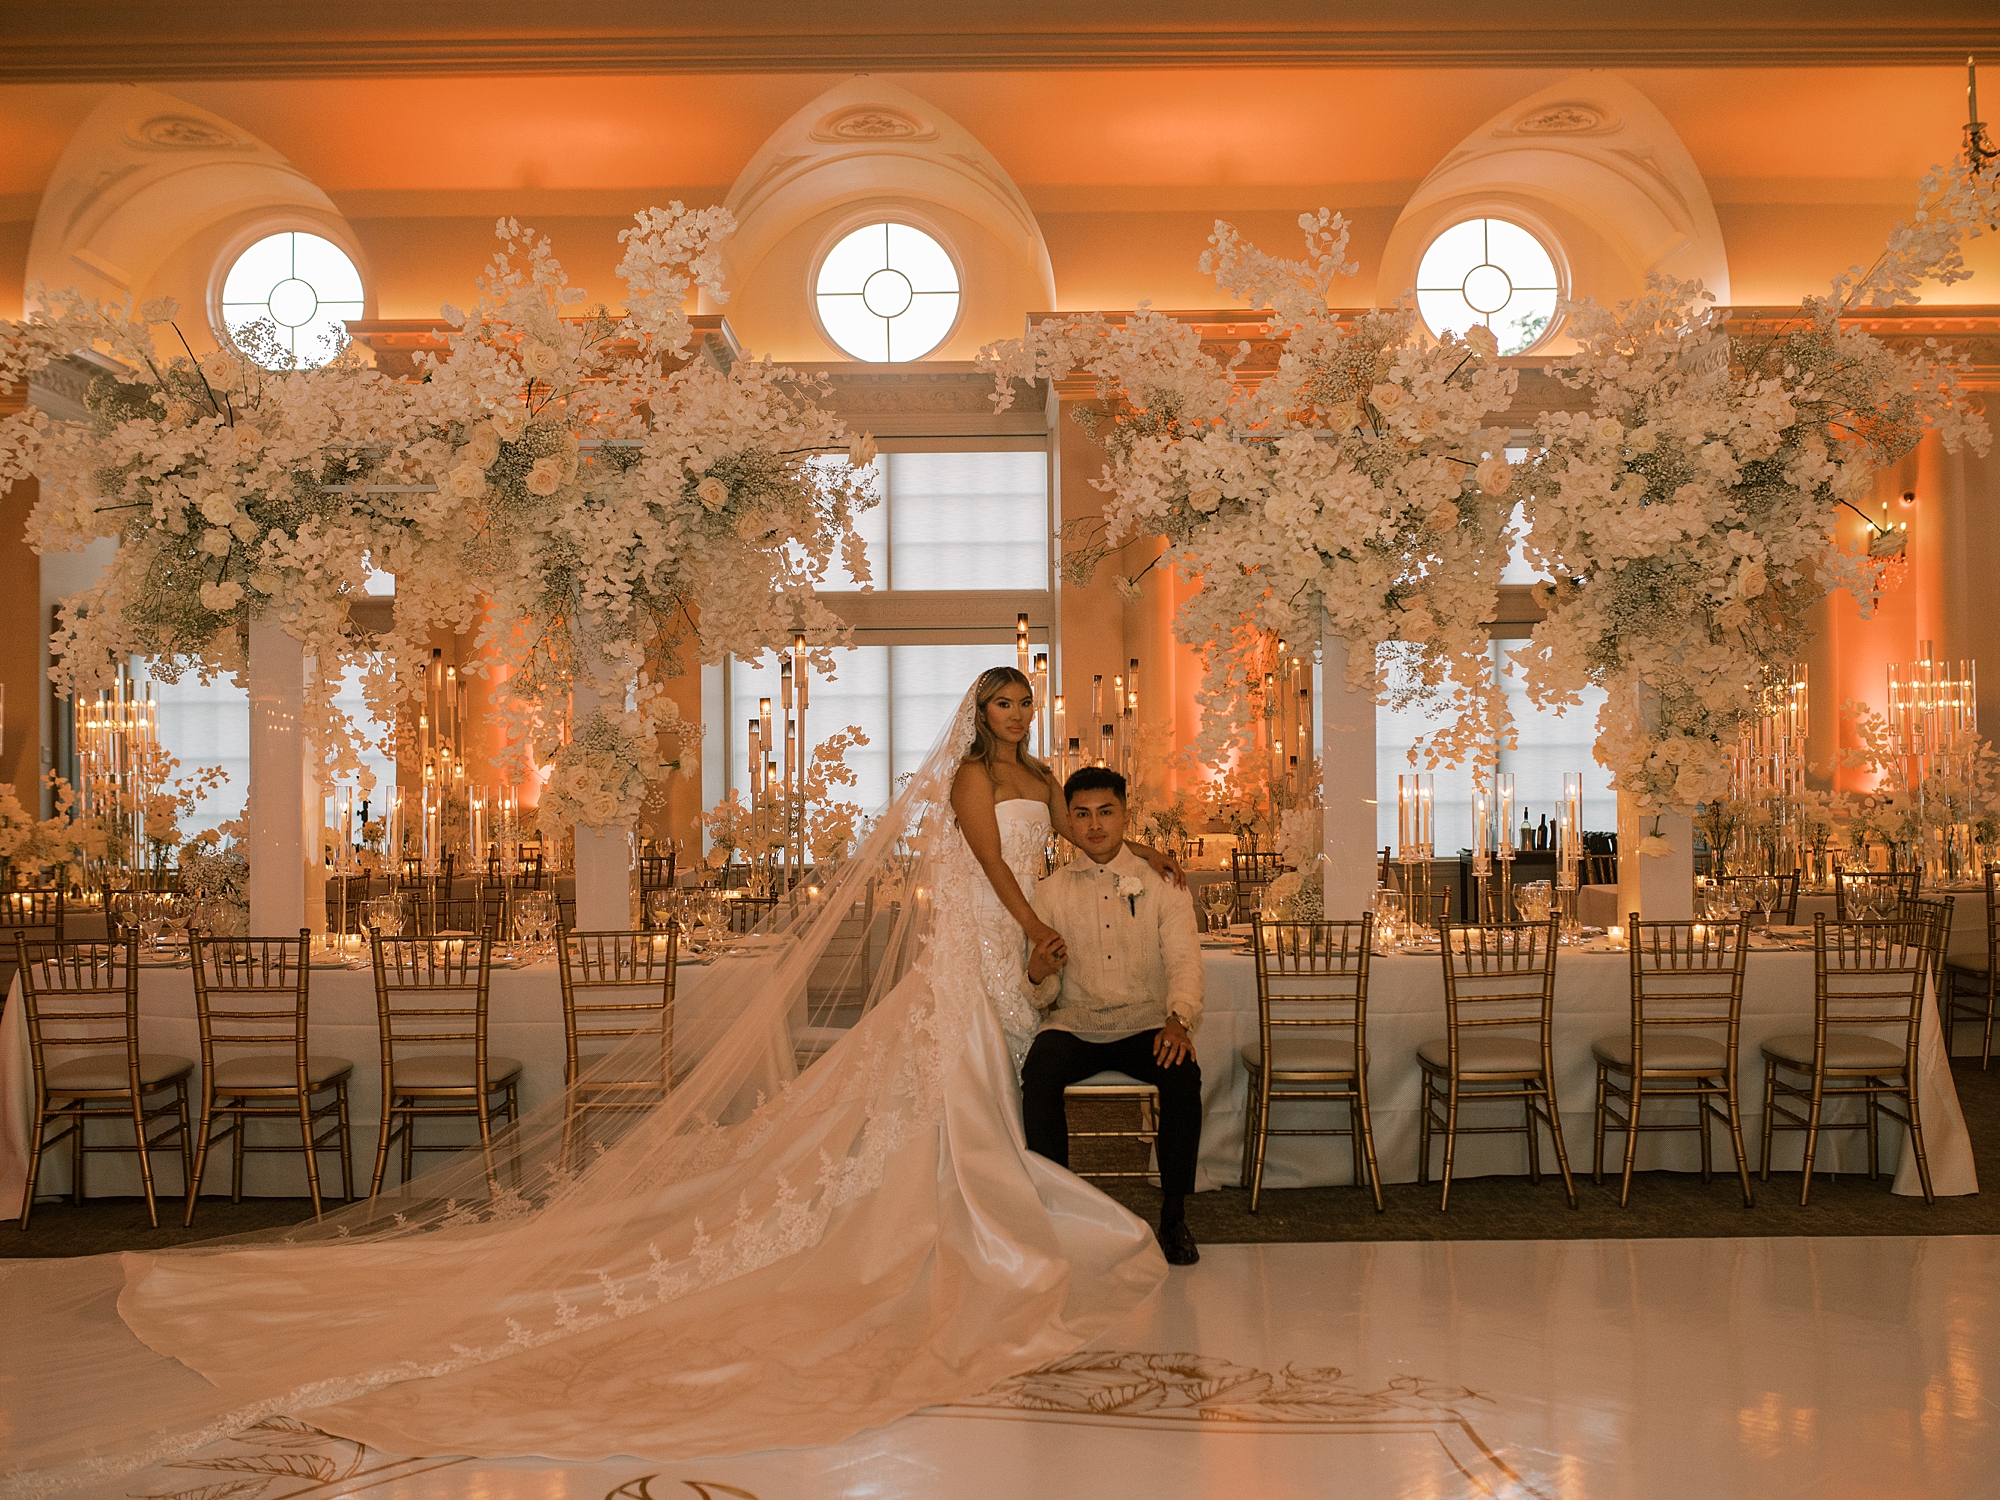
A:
1650, 1368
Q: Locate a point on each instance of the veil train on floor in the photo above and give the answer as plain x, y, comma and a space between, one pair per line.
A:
831, 1222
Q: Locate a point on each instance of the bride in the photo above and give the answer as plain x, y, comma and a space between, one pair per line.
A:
765, 1260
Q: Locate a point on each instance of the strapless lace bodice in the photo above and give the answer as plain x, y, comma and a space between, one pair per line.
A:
989, 942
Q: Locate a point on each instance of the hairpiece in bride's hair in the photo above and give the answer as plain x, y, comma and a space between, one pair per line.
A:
985, 743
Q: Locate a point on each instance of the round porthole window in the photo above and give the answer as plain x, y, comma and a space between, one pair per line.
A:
887, 292
1490, 272
302, 287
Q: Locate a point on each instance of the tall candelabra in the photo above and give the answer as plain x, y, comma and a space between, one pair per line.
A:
779, 778
1416, 846
1933, 733
1288, 729
1767, 774
1493, 847
117, 763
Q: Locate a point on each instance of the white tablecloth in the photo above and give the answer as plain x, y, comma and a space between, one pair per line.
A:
524, 1022
1406, 1008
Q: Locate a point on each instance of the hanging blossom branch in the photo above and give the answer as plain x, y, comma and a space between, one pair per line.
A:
601, 488
1687, 519
1361, 479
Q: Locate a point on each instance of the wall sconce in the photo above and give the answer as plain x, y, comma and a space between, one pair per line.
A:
1909, 497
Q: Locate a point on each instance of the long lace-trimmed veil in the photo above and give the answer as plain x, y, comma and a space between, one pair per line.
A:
698, 1252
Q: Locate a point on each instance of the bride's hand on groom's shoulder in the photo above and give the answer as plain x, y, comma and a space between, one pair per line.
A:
1165, 865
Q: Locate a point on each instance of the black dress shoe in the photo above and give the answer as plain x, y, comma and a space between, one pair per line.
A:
1177, 1244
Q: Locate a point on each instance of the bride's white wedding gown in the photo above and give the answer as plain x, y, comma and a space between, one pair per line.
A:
874, 1239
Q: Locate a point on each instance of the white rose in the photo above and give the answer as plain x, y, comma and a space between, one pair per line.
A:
546, 477
1442, 516
221, 597
466, 481
222, 370
753, 528
218, 509
484, 447
861, 451
244, 529
1387, 396
1750, 580
1344, 417
215, 543
1645, 440
1495, 476
1608, 430
1205, 498
539, 360
1479, 338
506, 422
712, 493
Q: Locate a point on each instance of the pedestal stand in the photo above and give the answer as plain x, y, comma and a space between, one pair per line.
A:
277, 801
1347, 758
1659, 889
603, 856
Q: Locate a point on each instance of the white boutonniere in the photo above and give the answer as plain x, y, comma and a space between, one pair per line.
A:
1131, 887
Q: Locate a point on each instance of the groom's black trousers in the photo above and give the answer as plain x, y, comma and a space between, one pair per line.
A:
1058, 1059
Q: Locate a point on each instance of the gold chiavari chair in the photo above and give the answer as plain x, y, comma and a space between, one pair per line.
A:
618, 1023
455, 915
1428, 909
1968, 991
32, 913
1867, 977
1687, 1011
1907, 885
431, 1005
1599, 869
1935, 911
1250, 871
1312, 1038
656, 872
527, 866
411, 876
82, 1005
1744, 887
251, 997
751, 913
1499, 982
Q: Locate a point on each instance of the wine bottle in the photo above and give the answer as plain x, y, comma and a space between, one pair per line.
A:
1527, 832
1542, 833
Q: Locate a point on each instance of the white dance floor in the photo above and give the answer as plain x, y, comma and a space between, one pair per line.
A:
1613, 1370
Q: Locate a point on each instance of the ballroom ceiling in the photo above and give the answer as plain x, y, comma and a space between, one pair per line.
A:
146, 39
1070, 138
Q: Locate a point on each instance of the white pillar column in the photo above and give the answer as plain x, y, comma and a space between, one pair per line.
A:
277, 803
1347, 761
603, 858
1659, 888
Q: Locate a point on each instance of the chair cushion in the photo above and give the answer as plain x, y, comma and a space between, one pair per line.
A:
109, 1071
276, 1070
1112, 1080
1670, 1051
1847, 1051
1303, 1054
1480, 1055
449, 1070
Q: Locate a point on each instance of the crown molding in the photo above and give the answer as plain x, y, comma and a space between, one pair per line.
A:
118, 40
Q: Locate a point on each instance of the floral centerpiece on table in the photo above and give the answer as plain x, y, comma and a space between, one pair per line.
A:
1362, 478
1935, 816
1299, 894
613, 505
1687, 518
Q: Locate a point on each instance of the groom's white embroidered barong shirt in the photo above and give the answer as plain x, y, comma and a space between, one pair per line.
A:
1134, 959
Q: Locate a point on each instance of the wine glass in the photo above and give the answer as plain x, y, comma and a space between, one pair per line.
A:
1218, 897
1764, 893
667, 910
1387, 904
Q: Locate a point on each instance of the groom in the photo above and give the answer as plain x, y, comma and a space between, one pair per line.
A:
1121, 990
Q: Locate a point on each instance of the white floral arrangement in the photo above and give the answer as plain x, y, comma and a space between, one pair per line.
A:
1688, 517
602, 777
1297, 895
1363, 478
229, 486
602, 487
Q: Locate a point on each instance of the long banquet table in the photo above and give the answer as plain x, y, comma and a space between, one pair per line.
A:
1406, 1007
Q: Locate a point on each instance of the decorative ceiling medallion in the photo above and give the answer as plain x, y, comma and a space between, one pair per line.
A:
183, 133
1562, 119
873, 122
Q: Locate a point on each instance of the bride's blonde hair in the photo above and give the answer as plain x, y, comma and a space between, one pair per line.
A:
985, 743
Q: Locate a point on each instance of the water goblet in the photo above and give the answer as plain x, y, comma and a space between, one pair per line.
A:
1218, 898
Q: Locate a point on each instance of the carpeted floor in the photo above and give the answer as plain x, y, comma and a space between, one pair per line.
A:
1665, 1205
